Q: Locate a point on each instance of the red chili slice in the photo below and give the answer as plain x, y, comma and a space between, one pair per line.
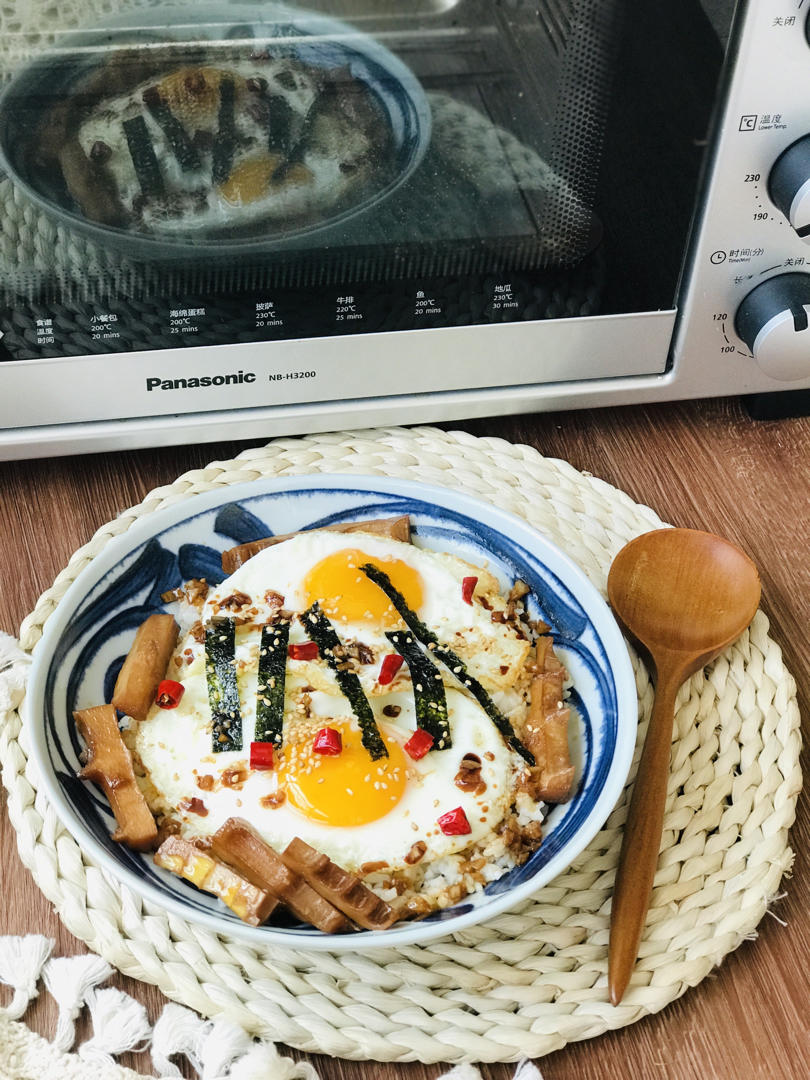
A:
454, 822
389, 667
261, 755
418, 744
169, 694
468, 588
305, 650
328, 741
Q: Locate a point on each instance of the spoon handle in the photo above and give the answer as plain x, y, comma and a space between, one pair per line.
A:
641, 841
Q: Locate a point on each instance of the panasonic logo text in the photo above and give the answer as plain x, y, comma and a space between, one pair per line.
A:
192, 383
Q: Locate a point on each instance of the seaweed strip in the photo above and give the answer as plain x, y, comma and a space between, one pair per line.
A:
143, 157
279, 118
430, 702
225, 141
454, 663
321, 631
297, 151
176, 135
272, 678
223, 692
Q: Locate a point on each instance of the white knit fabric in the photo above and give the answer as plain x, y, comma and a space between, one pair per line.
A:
217, 1050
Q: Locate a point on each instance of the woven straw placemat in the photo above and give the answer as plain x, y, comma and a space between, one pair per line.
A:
533, 979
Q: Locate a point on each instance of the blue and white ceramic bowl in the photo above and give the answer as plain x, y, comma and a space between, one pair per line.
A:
310, 37
86, 638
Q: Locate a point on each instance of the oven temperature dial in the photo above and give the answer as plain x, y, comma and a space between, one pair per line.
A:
774, 322
789, 185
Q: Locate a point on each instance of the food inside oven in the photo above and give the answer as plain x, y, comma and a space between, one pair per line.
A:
164, 145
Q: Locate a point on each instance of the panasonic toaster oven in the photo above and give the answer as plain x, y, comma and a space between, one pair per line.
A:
254, 218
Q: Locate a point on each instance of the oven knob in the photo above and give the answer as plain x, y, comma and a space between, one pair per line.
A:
789, 185
774, 322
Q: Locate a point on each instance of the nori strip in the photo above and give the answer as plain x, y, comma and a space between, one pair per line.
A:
225, 140
176, 135
223, 692
143, 157
454, 663
272, 678
430, 702
279, 119
297, 151
321, 631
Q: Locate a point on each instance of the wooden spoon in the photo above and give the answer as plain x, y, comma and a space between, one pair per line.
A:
684, 596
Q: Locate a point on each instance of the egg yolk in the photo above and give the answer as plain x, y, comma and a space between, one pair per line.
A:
345, 593
347, 789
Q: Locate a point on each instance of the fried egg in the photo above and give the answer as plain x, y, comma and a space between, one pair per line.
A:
355, 810
365, 815
334, 159
325, 567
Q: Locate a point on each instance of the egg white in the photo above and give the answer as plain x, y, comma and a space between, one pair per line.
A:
174, 747
493, 651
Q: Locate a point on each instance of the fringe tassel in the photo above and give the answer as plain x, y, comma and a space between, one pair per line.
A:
21, 960
119, 1023
527, 1070
223, 1044
178, 1031
263, 1062
68, 980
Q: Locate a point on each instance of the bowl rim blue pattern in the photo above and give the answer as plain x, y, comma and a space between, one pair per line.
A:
441, 513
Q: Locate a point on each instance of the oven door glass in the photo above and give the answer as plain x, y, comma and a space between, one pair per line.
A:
192, 175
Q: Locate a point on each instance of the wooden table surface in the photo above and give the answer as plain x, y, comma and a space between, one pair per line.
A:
704, 465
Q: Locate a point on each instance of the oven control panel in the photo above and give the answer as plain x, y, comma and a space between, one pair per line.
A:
746, 297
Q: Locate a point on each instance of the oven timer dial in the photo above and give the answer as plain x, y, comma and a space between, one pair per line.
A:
774, 322
789, 185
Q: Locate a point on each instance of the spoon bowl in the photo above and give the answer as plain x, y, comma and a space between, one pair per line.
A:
684, 596
682, 590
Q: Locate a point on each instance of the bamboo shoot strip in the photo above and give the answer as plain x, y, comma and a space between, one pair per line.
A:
454, 663
321, 631
430, 703
143, 157
272, 678
223, 692
225, 139
176, 135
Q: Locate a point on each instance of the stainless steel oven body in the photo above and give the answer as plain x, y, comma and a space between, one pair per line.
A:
638, 234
